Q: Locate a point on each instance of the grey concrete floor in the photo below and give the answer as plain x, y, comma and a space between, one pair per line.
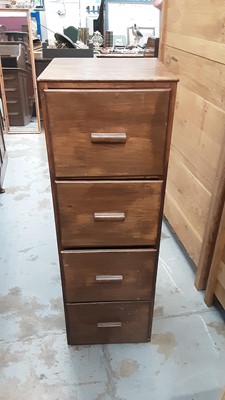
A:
184, 361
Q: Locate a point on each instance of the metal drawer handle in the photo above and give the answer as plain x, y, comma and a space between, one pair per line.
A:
9, 78
109, 325
108, 137
11, 101
10, 89
102, 217
109, 278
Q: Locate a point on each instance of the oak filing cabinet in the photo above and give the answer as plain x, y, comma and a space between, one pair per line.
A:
108, 125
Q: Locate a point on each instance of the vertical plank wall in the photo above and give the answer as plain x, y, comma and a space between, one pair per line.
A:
193, 48
220, 284
216, 280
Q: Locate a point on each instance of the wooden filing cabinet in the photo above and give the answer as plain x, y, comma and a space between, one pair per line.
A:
18, 81
19, 103
108, 126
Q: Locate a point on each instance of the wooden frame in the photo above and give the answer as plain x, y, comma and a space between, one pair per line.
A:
213, 226
40, 6
216, 281
150, 32
4, 105
3, 127
28, 16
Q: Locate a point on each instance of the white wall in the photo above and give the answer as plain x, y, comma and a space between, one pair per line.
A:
56, 23
120, 16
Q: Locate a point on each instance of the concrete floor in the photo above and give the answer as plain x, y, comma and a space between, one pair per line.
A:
184, 361
32, 127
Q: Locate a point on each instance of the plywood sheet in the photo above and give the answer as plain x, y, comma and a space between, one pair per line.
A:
201, 76
221, 274
186, 205
223, 258
220, 294
200, 19
198, 132
183, 185
192, 47
201, 47
216, 279
182, 227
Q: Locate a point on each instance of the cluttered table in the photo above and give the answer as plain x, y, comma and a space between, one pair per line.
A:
38, 55
125, 54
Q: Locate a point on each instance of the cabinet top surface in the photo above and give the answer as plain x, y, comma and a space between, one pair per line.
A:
98, 70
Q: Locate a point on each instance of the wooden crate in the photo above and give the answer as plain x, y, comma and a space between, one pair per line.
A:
192, 43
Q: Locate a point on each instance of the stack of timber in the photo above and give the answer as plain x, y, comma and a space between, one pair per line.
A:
192, 47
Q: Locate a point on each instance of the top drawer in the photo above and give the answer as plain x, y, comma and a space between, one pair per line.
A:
108, 132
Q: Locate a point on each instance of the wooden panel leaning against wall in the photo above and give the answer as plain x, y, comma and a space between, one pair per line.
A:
194, 52
216, 281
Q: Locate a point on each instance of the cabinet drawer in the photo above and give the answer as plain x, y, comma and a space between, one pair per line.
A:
109, 213
13, 93
108, 322
14, 106
11, 81
108, 275
108, 132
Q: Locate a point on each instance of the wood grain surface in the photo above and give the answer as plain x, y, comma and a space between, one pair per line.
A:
140, 115
108, 275
103, 70
86, 322
194, 52
79, 201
